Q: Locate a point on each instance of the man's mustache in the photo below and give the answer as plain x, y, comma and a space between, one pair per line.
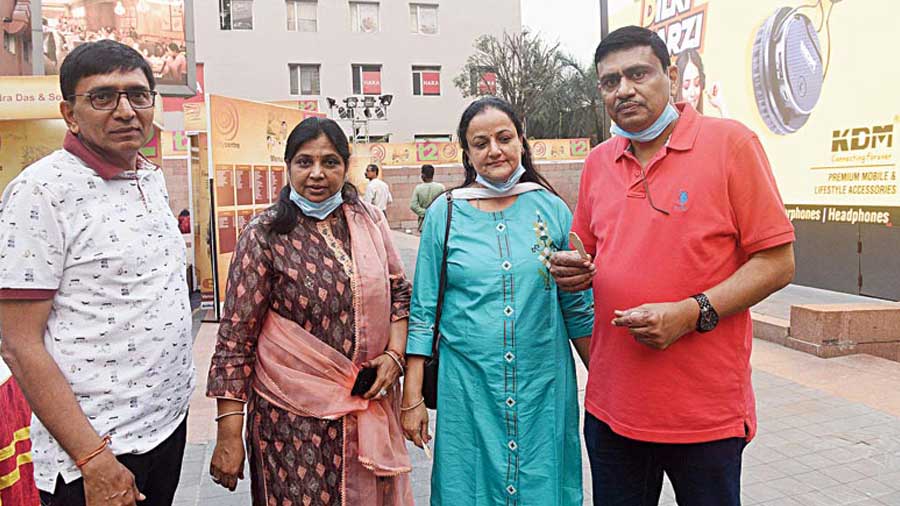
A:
627, 102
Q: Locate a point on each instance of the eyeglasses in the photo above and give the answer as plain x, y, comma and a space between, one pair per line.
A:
109, 100
647, 191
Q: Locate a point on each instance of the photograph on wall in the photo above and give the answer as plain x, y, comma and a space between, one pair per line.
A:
155, 28
15, 32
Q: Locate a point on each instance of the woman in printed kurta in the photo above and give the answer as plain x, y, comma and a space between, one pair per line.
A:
507, 414
305, 276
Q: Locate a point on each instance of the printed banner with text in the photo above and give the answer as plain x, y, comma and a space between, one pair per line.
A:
799, 74
246, 143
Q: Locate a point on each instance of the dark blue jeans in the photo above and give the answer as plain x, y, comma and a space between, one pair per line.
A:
626, 472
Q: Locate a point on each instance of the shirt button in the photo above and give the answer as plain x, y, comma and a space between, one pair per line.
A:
637, 174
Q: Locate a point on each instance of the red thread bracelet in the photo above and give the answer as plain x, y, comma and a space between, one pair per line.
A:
107, 439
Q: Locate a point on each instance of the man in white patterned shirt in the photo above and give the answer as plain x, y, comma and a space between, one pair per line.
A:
377, 192
94, 310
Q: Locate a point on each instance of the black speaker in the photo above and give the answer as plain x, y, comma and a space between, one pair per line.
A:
787, 70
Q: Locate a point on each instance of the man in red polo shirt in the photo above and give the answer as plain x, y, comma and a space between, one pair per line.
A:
687, 230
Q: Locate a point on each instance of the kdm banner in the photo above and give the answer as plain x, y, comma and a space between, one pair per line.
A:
812, 80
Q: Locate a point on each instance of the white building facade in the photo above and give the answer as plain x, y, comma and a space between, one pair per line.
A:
279, 50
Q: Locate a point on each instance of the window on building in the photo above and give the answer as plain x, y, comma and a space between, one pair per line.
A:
423, 18
433, 137
236, 14
301, 15
304, 79
426, 81
9, 43
483, 81
366, 79
364, 17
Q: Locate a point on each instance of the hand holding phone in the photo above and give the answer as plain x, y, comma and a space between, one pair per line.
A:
364, 381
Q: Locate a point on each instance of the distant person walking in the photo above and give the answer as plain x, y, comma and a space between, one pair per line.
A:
425, 193
377, 193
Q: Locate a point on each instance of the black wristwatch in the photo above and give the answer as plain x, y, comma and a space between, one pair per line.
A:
709, 318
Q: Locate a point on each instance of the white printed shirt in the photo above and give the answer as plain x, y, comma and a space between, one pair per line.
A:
378, 194
109, 254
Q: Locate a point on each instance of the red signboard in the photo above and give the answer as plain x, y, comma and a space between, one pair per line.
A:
277, 174
371, 83
225, 222
431, 83
174, 104
261, 184
243, 175
488, 83
224, 185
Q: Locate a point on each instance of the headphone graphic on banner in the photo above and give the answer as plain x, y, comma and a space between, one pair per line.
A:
787, 66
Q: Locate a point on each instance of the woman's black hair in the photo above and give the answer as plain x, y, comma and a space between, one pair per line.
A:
286, 213
690, 56
477, 107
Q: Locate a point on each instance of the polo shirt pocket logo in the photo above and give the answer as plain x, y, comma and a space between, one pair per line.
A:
682, 204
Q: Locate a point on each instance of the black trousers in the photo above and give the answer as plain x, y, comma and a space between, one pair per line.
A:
630, 473
155, 472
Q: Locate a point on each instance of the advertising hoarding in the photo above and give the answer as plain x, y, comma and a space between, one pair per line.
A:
246, 151
800, 75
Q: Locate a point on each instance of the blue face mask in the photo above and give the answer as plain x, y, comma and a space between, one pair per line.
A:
317, 210
669, 115
504, 186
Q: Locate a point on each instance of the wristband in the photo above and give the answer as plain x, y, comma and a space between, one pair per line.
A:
107, 439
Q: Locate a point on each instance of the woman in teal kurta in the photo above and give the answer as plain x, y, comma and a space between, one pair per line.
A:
507, 414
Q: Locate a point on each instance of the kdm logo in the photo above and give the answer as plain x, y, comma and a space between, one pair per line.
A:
856, 139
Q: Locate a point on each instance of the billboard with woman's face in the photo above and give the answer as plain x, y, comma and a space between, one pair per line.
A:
161, 30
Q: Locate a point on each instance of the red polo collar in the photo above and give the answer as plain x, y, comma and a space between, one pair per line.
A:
100, 165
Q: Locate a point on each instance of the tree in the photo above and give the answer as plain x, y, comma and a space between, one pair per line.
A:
554, 95
576, 109
525, 67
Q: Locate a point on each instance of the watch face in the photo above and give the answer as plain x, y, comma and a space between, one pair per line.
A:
708, 319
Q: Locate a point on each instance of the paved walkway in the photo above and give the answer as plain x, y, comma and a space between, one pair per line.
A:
829, 431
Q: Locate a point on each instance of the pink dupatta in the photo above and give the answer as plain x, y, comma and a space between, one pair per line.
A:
299, 373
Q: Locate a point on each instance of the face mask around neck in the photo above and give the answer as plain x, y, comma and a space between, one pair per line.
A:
668, 116
317, 210
502, 187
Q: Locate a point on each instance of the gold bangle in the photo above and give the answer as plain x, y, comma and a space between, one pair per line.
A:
230, 413
395, 358
414, 406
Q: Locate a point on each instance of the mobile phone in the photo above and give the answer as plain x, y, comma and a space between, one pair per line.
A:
364, 381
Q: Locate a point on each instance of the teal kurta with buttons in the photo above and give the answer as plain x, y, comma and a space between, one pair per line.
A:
507, 418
